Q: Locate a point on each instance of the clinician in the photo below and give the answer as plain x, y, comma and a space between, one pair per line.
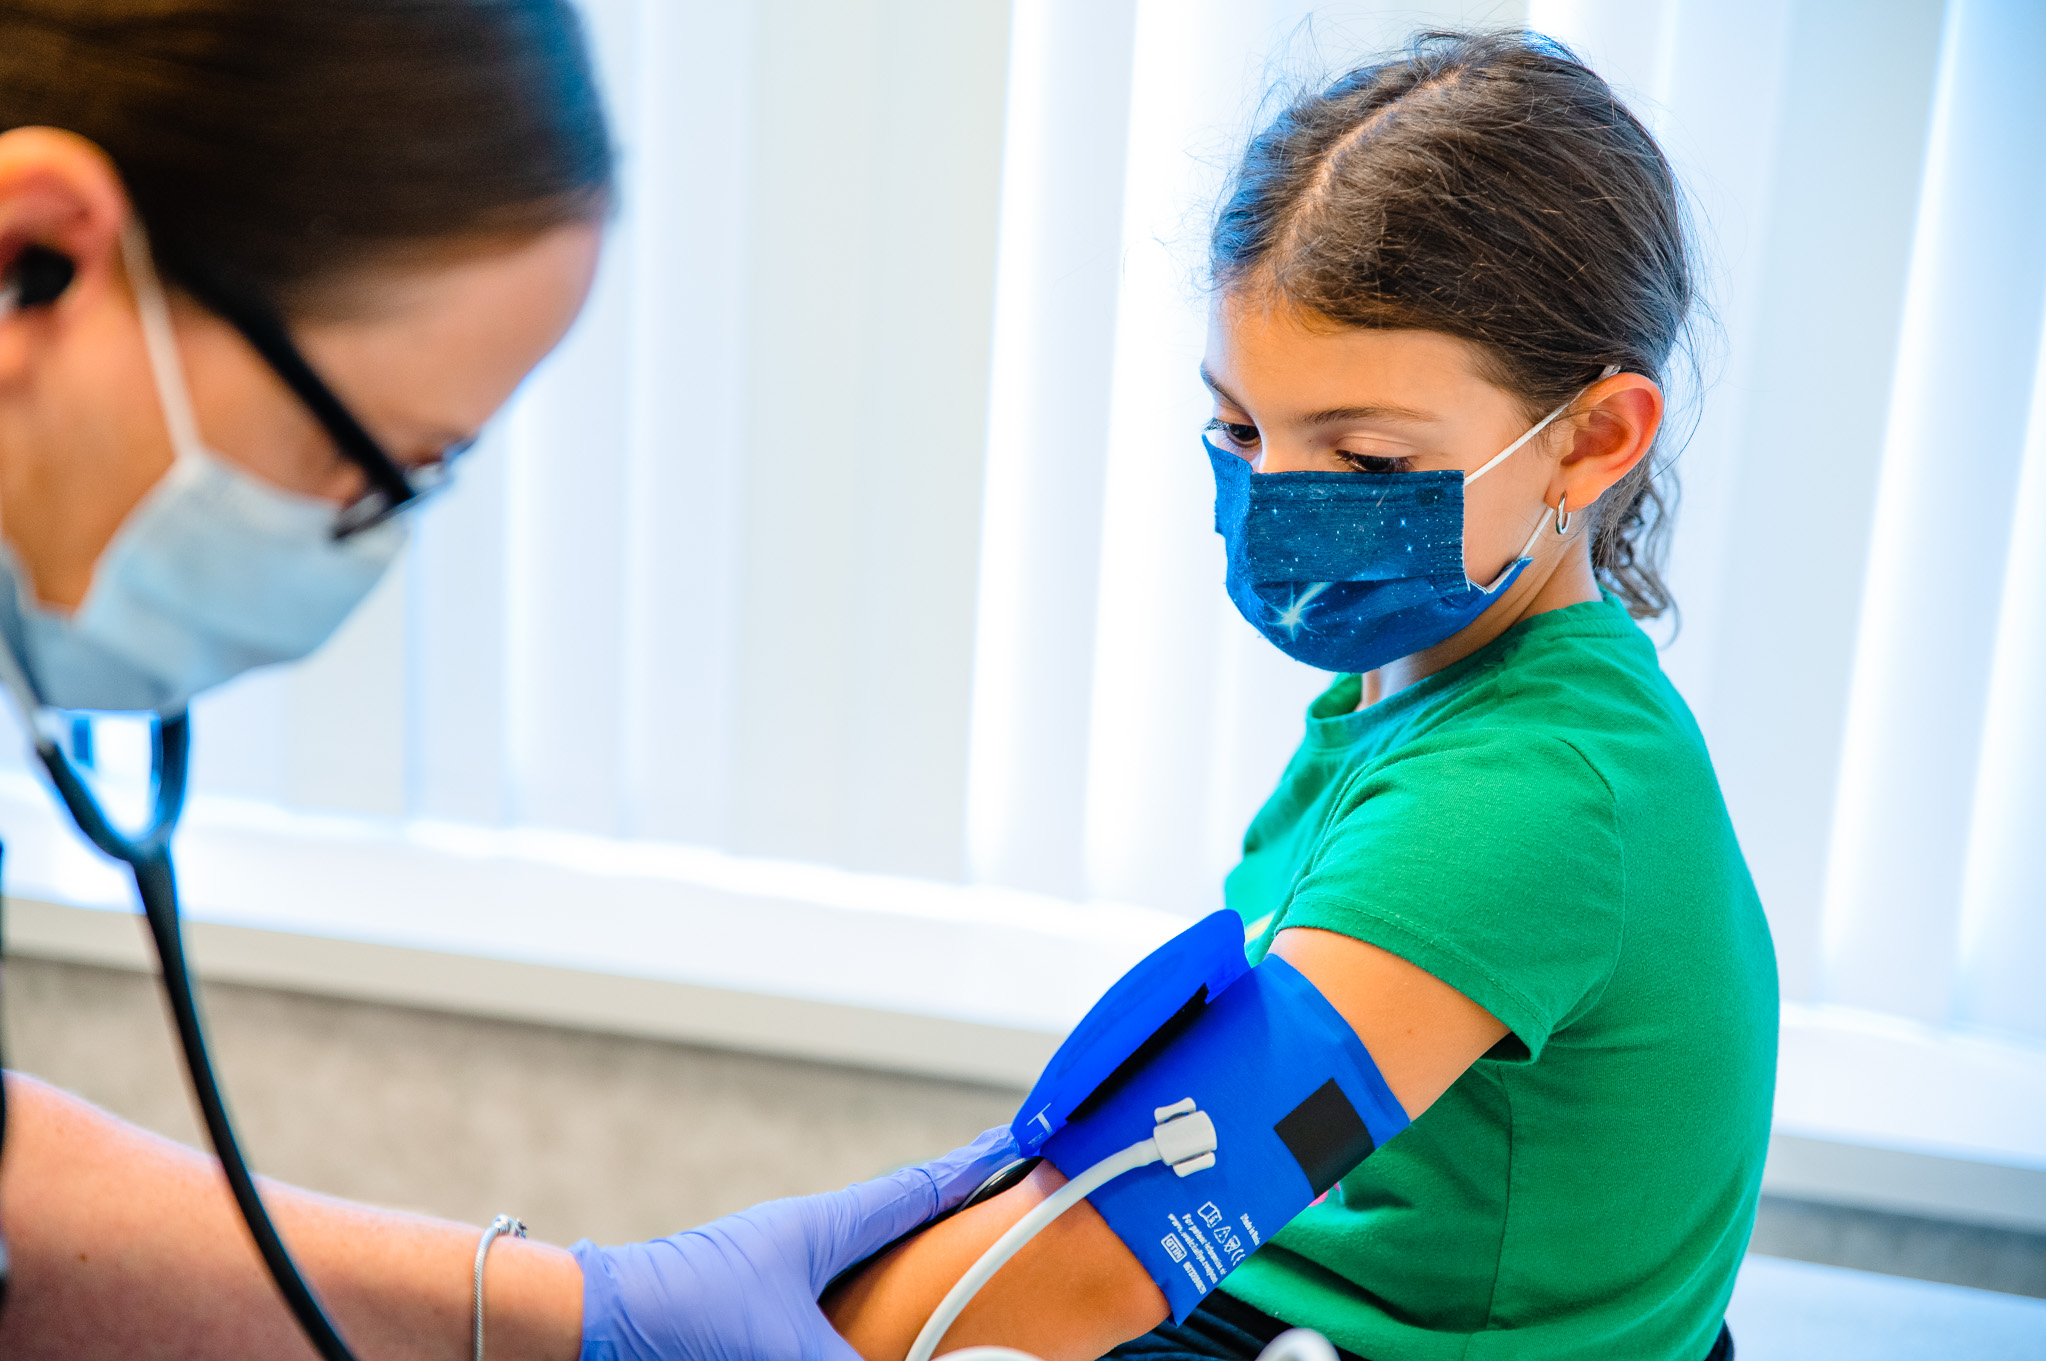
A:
264, 270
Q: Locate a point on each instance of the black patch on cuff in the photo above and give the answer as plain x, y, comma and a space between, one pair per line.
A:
1326, 1136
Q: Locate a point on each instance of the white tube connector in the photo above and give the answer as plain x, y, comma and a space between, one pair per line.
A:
1184, 1138
1298, 1344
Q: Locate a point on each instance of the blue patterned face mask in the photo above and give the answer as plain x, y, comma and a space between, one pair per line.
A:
1349, 571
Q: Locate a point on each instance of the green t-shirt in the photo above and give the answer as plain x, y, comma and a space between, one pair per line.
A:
1538, 826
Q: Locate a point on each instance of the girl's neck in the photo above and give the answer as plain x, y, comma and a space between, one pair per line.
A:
1565, 580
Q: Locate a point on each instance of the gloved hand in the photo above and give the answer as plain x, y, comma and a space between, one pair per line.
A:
745, 1287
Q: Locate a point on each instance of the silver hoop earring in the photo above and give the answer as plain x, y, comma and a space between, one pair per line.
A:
1563, 516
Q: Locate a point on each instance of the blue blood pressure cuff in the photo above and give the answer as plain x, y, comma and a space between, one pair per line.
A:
1295, 1099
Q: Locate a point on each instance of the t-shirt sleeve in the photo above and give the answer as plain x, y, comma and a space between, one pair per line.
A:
1492, 861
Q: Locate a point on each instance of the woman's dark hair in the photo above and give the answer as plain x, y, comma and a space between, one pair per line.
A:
1491, 187
284, 145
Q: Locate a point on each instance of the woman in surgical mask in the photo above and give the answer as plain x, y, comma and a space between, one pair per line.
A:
1447, 288
265, 270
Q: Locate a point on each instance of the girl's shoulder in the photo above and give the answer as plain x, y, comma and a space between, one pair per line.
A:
1583, 680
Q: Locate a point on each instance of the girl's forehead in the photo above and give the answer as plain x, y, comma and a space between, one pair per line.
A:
1261, 351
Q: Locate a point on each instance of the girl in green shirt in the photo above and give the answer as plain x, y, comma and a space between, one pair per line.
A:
1447, 288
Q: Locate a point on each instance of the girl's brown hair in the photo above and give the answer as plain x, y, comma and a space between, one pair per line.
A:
1488, 186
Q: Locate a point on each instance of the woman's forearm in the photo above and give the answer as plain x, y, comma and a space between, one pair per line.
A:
1070, 1295
127, 1244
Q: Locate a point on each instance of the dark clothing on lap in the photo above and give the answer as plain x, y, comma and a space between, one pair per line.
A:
1227, 1329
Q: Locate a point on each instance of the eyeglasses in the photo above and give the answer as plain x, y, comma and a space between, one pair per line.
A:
392, 488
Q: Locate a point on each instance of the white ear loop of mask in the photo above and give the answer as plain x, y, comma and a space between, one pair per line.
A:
161, 341
1526, 554
1527, 549
1510, 450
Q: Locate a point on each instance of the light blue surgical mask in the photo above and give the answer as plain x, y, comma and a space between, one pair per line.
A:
214, 573
1349, 571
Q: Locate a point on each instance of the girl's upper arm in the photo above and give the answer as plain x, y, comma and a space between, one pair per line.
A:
1421, 1032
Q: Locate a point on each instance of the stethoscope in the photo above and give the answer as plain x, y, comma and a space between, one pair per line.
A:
39, 277
147, 855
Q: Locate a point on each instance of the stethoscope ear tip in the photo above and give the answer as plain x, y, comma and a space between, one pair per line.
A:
39, 277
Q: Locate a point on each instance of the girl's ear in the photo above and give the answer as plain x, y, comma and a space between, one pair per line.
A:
1612, 430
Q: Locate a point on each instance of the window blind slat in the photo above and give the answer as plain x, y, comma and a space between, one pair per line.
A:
345, 740
2003, 908
457, 646
870, 295
565, 570
688, 149
1158, 626
1055, 317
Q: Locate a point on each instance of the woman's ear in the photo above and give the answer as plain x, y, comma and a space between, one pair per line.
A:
1611, 430
37, 278
62, 208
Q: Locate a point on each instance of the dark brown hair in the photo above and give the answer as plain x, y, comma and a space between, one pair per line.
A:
286, 144
1491, 187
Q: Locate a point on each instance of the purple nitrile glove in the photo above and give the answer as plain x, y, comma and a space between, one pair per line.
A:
745, 1287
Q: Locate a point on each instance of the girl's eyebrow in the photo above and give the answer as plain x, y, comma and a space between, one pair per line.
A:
1335, 413
1370, 413
1219, 390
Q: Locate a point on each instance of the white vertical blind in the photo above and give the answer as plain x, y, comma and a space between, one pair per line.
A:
1061, 254
1942, 530
1771, 585
724, 577
876, 164
2003, 892
863, 520
688, 417
711, 579
1871, 196
1159, 639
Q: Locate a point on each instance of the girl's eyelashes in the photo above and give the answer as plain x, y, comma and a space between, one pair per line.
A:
1243, 436
1375, 463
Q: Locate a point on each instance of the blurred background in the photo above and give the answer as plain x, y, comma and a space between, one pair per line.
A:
819, 687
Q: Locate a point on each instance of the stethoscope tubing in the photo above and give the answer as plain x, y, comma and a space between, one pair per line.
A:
148, 857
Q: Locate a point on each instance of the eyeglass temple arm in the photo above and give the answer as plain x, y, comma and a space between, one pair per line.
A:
265, 332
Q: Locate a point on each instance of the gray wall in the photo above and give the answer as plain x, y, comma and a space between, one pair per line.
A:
615, 1138
578, 1134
